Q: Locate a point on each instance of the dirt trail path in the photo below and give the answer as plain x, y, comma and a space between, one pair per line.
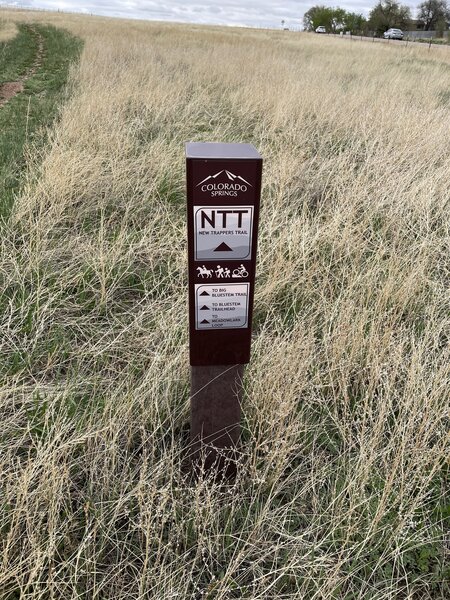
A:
11, 88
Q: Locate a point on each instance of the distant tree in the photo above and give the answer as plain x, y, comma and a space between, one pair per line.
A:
433, 13
338, 19
318, 15
334, 19
356, 23
389, 13
441, 26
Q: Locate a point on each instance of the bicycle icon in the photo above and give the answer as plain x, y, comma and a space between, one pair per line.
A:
240, 272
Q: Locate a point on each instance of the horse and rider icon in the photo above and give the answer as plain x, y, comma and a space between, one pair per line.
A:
222, 272
204, 272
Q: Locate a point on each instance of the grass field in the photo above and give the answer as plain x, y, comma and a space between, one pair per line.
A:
342, 491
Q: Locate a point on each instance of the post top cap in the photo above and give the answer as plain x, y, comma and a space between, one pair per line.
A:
208, 150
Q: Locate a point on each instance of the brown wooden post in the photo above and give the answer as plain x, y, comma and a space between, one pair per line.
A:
216, 395
223, 197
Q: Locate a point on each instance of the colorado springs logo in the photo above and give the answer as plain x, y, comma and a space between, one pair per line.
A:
230, 187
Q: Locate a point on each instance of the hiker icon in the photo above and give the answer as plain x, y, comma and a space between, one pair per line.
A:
222, 272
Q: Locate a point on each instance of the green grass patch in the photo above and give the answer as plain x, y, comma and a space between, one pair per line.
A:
26, 117
17, 54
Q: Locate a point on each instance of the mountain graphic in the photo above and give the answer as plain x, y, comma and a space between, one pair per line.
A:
228, 174
223, 248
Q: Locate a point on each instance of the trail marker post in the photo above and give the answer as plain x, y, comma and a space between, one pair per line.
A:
223, 198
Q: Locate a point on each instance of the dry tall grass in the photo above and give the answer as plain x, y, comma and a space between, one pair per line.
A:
341, 491
8, 30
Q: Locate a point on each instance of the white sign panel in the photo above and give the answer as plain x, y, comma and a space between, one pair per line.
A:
221, 306
223, 232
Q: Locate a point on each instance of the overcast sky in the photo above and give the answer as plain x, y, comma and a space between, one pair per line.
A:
253, 13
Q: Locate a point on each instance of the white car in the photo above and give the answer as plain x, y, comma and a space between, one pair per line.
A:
321, 29
393, 34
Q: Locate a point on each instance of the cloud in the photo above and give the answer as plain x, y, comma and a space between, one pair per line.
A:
252, 13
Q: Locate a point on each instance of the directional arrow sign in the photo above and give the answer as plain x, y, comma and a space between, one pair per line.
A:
228, 305
223, 229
